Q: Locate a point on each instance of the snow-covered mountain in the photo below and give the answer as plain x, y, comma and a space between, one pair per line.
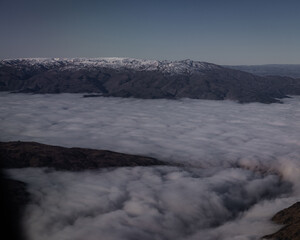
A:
128, 77
171, 67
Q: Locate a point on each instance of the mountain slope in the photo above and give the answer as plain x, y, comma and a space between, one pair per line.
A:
285, 70
125, 77
32, 154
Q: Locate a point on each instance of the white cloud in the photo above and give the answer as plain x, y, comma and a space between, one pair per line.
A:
219, 200
146, 202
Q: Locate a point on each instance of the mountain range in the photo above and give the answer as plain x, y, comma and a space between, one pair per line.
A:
284, 70
148, 79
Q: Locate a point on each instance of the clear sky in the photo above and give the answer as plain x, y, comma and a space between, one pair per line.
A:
218, 31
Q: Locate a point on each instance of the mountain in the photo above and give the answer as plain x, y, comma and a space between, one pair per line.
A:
284, 70
127, 77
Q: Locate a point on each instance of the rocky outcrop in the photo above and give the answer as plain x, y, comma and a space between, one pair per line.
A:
290, 217
32, 154
142, 79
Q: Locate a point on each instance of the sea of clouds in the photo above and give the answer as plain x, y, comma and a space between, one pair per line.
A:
240, 165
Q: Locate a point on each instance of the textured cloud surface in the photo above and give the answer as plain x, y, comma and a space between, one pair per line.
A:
146, 203
241, 165
191, 131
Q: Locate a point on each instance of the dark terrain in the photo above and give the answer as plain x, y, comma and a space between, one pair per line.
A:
14, 198
290, 218
210, 82
31, 154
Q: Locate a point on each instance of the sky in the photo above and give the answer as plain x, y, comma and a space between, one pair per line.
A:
231, 32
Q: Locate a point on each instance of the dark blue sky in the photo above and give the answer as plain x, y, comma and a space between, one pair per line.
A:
219, 31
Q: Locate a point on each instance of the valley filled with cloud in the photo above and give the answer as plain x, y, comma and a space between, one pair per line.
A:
232, 166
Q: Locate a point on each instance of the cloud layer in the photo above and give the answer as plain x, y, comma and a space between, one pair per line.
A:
190, 131
144, 203
241, 165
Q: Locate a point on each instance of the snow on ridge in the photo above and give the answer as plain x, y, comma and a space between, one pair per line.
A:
181, 66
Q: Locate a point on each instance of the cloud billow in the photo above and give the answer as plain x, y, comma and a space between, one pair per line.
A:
141, 202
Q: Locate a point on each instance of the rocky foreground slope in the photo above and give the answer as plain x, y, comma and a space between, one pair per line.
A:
14, 198
32, 154
126, 77
290, 218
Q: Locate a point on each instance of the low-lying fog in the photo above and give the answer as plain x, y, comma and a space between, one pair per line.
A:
240, 165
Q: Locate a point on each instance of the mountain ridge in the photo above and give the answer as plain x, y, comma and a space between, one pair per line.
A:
148, 79
166, 66
284, 70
